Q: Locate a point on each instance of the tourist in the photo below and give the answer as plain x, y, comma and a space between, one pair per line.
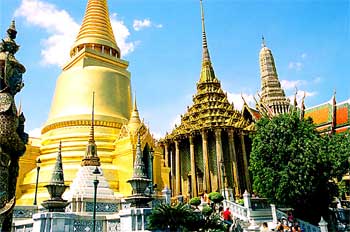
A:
227, 216
290, 218
296, 227
206, 197
279, 227
264, 227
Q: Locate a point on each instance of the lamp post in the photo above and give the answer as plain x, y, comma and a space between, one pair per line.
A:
96, 172
38, 163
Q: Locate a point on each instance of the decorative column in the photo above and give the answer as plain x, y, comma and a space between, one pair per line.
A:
245, 161
233, 157
193, 168
177, 168
219, 158
172, 167
206, 176
166, 154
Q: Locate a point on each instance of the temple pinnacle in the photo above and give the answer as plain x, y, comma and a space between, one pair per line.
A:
139, 166
91, 158
96, 29
263, 44
206, 56
57, 174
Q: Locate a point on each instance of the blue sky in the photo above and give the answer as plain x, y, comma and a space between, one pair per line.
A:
161, 39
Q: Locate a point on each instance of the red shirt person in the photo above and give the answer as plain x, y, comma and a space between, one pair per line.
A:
227, 215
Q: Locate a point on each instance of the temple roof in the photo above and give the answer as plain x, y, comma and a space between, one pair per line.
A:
210, 108
322, 116
96, 27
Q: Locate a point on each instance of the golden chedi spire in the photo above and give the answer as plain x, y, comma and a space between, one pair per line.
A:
272, 94
96, 28
207, 72
95, 66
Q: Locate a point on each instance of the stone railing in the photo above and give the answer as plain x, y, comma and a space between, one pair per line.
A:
305, 226
254, 209
238, 211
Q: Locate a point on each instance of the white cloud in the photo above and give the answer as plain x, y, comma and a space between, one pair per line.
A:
121, 33
237, 100
141, 24
303, 55
62, 30
60, 26
295, 65
138, 25
286, 84
35, 133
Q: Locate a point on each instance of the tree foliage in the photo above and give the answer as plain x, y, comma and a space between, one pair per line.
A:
292, 164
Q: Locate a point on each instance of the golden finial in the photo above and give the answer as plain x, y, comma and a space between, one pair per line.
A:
206, 56
135, 103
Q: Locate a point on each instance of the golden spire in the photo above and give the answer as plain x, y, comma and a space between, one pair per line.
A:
206, 57
96, 28
207, 72
135, 121
91, 158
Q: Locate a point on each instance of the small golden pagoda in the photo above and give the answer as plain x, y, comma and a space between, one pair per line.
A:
209, 150
273, 99
95, 65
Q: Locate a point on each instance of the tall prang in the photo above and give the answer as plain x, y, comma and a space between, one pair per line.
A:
12, 135
95, 65
273, 99
207, 151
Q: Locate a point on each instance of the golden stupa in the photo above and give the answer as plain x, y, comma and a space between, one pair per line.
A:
95, 65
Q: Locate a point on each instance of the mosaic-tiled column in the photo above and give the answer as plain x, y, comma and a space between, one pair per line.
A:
206, 176
193, 168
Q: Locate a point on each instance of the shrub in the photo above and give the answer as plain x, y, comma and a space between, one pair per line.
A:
195, 201
215, 197
207, 211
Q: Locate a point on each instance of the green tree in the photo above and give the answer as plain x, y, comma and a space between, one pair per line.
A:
292, 164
